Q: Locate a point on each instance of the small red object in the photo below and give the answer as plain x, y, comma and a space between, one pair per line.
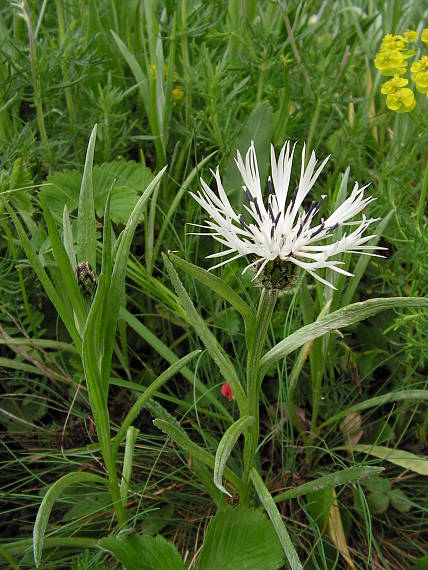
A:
227, 391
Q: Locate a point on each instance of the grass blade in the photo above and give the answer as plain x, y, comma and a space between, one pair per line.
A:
343, 477
48, 502
148, 393
184, 441
63, 312
399, 457
171, 357
272, 510
377, 401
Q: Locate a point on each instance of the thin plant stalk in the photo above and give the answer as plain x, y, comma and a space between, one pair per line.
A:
264, 314
61, 37
35, 77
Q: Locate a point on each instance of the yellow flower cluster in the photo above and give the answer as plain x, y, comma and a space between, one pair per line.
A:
392, 60
177, 92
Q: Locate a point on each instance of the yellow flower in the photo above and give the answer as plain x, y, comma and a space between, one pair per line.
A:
391, 62
411, 35
390, 42
152, 70
421, 81
419, 65
402, 101
424, 36
177, 94
393, 85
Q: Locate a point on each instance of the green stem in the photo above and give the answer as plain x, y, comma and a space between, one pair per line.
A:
422, 198
186, 63
264, 314
36, 83
61, 37
102, 423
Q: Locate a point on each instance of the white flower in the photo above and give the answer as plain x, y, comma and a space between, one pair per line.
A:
279, 232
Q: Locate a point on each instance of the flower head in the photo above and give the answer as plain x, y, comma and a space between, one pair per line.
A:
401, 101
280, 233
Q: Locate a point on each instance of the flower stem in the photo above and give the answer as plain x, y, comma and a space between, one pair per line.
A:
422, 198
264, 314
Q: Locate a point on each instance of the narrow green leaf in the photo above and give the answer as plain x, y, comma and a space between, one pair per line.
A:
225, 447
377, 401
69, 278
332, 480
131, 438
399, 457
148, 393
171, 357
337, 320
216, 352
272, 510
219, 287
106, 253
47, 284
135, 67
68, 238
363, 261
115, 291
48, 501
86, 228
183, 188
184, 441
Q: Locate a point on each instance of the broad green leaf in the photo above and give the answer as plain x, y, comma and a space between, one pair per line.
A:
344, 477
130, 178
400, 501
377, 401
225, 447
143, 552
56, 300
184, 441
48, 501
399, 457
279, 525
148, 393
86, 229
217, 354
319, 505
219, 287
337, 320
238, 539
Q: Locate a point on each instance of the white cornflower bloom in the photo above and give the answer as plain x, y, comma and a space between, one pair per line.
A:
278, 237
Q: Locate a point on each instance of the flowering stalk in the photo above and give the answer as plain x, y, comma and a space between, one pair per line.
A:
264, 314
279, 235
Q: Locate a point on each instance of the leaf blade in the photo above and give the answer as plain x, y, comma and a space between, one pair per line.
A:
224, 449
337, 320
